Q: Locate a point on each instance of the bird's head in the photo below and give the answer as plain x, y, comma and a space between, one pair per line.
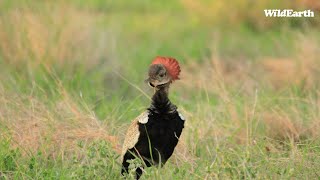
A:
163, 71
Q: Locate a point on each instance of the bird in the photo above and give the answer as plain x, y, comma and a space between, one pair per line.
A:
154, 134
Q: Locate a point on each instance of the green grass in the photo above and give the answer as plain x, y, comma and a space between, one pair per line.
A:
72, 76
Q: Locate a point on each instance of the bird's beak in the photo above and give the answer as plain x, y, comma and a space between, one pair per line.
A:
149, 81
154, 83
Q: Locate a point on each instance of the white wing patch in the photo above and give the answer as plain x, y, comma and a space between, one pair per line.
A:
181, 116
143, 118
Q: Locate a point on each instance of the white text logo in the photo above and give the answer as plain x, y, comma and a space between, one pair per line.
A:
288, 13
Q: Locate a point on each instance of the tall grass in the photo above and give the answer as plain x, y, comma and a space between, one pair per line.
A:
251, 13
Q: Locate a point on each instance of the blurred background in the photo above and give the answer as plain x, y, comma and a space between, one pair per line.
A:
72, 79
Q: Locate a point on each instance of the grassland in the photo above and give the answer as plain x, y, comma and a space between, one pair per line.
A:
72, 78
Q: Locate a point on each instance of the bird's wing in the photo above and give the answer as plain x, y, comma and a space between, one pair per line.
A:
133, 133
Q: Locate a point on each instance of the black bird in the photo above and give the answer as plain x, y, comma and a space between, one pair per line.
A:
154, 134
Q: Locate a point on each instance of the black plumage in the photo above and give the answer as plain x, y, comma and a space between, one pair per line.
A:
157, 136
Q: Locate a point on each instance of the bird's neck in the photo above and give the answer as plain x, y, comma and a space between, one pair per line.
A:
161, 101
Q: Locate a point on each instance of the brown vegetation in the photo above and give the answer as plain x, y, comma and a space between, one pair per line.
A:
221, 77
53, 36
51, 130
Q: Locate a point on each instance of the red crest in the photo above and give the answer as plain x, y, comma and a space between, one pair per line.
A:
171, 64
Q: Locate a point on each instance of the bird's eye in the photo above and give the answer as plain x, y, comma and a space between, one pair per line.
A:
161, 75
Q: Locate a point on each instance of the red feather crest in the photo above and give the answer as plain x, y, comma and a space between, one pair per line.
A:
171, 65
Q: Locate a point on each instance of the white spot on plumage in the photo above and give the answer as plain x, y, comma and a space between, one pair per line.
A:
181, 116
175, 135
143, 118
